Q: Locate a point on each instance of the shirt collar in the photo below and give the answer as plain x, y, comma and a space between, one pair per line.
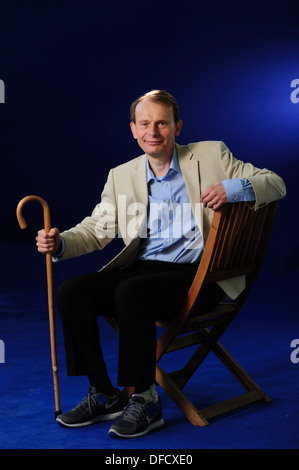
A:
174, 166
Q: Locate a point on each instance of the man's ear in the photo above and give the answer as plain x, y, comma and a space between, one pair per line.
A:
133, 129
178, 127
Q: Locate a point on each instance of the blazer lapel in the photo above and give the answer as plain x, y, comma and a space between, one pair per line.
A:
140, 196
191, 173
139, 183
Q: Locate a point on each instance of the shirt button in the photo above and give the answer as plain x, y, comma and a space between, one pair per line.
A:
168, 240
165, 184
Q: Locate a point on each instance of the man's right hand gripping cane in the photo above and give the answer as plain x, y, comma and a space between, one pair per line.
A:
48, 242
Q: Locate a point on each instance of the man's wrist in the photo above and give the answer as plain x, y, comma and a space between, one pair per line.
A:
60, 251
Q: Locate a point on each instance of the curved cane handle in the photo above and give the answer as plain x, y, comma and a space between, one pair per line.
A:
21, 220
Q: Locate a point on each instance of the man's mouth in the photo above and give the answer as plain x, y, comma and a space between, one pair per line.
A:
153, 142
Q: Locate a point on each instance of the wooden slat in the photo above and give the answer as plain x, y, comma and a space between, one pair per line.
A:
242, 236
235, 235
181, 342
230, 273
256, 242
190, 411
234, 367
220, 242
231, 404
191, 335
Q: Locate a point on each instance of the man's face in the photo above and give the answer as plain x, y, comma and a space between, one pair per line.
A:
155, 129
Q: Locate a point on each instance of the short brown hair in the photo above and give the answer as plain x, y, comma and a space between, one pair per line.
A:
157, 95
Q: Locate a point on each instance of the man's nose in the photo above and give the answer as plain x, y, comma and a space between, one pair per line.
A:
154, 128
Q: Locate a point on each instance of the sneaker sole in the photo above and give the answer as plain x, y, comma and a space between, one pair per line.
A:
98, 419
152, 427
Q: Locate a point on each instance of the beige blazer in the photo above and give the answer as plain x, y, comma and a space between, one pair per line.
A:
124, 200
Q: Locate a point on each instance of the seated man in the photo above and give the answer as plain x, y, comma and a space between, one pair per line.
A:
161, 203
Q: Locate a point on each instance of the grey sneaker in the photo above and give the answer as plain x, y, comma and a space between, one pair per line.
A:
94, 408
139, 418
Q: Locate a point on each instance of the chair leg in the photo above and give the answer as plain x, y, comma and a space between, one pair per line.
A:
206, 345
189, 410
173, 383
238, 372
127, 392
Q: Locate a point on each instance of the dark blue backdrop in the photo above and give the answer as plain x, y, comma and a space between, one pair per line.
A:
71, 70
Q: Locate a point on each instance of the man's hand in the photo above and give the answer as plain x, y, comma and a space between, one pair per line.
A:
48, 242
214, 197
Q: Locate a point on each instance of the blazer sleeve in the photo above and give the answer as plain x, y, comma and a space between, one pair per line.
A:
267, 185
96, 230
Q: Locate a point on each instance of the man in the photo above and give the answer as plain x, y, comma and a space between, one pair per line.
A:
161, 204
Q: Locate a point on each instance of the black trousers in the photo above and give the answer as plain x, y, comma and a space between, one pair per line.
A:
137, 297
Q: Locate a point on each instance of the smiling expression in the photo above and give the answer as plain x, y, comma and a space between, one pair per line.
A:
155, 129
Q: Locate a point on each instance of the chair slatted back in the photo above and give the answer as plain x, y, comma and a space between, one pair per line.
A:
236, 245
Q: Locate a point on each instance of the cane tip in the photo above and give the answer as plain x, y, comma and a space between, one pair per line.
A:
57, 413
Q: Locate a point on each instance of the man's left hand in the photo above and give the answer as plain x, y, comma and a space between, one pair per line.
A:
214, 197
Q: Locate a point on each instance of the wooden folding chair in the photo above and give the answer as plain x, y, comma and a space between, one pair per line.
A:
236, 246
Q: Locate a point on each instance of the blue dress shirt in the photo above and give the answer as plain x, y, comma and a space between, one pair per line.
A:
172, 234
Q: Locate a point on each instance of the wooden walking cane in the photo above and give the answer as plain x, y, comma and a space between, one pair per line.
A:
47, 226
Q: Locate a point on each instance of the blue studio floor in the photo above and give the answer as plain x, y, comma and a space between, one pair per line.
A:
259, 338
